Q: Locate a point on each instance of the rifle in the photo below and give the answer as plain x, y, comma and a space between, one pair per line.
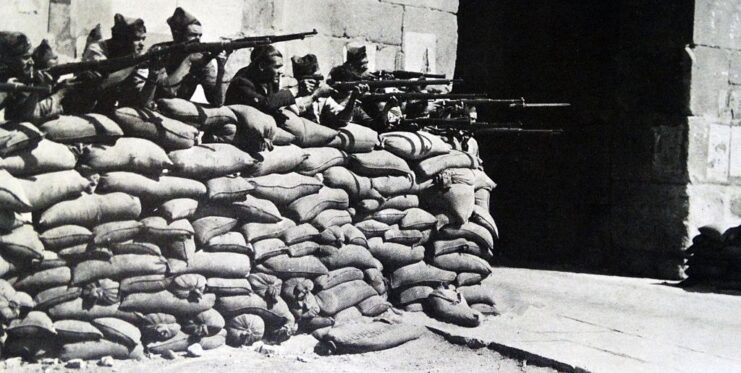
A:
403, 74
409, 96
389, 83
467, 125
20, 87
160, 50
513, 103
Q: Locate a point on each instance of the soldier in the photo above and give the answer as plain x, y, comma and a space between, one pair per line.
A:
334, 111
44, 56
258, 84
355, 66
17, 66
133, 86
186, 72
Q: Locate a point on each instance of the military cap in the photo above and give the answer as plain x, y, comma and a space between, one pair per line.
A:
181, 20
13, 44
125, 27
304, 66
356, 52
43, 54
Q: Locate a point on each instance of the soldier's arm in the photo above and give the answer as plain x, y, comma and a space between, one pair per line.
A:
211, 78
242, 91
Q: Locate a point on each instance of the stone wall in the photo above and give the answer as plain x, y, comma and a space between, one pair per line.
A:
395, 30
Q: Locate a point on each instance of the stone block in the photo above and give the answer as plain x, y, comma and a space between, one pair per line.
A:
450, 6
359, 19
709, 204
30, 17
259, 16
218, 17
697, 149
444, 26
709, 87
718, 23
59, 28
389, 58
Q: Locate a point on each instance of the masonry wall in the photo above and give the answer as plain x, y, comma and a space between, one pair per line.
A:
400, 34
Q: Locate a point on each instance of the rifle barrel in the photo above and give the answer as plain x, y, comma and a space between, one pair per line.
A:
391, 83
407, 96
18, 87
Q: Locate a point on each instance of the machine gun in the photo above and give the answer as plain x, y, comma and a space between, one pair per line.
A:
161, 50
403, 74
390, 83
20, 87
466, 125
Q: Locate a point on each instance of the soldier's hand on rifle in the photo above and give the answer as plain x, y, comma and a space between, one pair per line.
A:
89, 75
44, 78
223, 56
323, 90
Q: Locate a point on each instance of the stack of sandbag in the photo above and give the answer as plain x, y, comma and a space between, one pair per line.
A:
714, 258
125, 234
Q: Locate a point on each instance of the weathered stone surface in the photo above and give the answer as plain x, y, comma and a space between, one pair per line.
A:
711, 204
389, 58
718, 23
709, 84
260, 15
444, 26
29, 17
219, 17
59, 27
359, 19
444, 5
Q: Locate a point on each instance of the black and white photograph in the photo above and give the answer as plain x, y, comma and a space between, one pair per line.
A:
516, 186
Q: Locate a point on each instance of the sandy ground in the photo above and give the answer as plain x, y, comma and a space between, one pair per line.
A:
430, 353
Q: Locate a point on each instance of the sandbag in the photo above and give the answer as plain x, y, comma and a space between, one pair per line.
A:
448, 305
455, 159
284, 267
458, 245
420, 273
483, 198
57, 295
389, 216
308, 134
348, 315
35, 282
299, 233
244, 330
478, 294
394, 185
338, 276
12, 195
357, 187
470, 231
283, 189
250, 209
10, 220
274, 314
118, 267
189, 286
166, 302
268, 248
65, 236
409, 237
178, 208
212, 226
416, 218
149, 189
47, 189
76, 309
119, 331
343, 296
95, 350
375, 279
228, 265
144, 284
414, 294
332, 236
303, 249
224, 287
228, 188
394, 255
23, 243
256, 130
46, 156
459, 262
84, 252
379, 163
180, 249
81, 128
233, 242
353, 235
458, 201
373, 306
116, 231
50, 260
168, 133
320, 159
307, 208
35, 324
414, 146
372, 228
483, 218
199, 116
157, 229
181, 341
354, 138
283, 137
205, 324
158, 327
127, 154
483, 181
280, 160
71, 331
265, 285
16, 137
254, 232
348, 256
366, 337
331, 217
467, 279
92, 209
402, 202
210, 160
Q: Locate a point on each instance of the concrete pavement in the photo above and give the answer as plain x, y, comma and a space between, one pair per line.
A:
582, 322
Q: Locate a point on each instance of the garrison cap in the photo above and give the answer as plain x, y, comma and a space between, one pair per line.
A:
356, 52
181, 20
304, 66
125, 27
43, 54
13, 44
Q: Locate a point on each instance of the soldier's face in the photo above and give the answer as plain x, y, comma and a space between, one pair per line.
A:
307, 86
137, 42
361, 66
21, 66
273, 69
